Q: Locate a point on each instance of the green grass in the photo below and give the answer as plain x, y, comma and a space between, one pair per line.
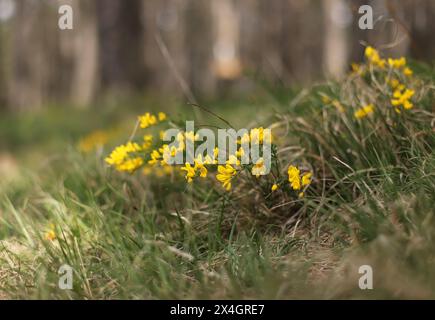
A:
130, 236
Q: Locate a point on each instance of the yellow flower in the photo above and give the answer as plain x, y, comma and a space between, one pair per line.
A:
402, 99
225, 175
147, 120
148, 141
50, 234
120, 157
162, 116
259, 168
364, 111
306, 179
190, 172
397, 63
407, 72
355, 67
93, 141
199, 165
274, 187
374, 57
293, 177
130, 165
155, 156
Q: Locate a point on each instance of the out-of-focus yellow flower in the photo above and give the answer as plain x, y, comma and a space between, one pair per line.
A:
161, 134
130, 165
148, 141
364, 111
397, 63
147, 120
162, 116
225, 175
395, 84
259, 168
306, 179
357, 69
274, 187
50, 234
338, 106
407, 72
402, 98
374, 57
326, 99
155, 157
93, 141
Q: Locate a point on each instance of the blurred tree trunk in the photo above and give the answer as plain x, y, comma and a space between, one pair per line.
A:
199, 50
84, 52
29, 73
120, 40
337, 17
165, 20
3, 76
421, 13
301, 39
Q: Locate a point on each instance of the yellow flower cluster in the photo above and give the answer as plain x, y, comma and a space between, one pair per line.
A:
374, 58
400, 64
298, 181
199, 166
131, 156
364, 111
148, 119
225, 175
122, 160
401, 98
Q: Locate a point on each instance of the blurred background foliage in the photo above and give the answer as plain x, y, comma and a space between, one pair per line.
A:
192, 49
